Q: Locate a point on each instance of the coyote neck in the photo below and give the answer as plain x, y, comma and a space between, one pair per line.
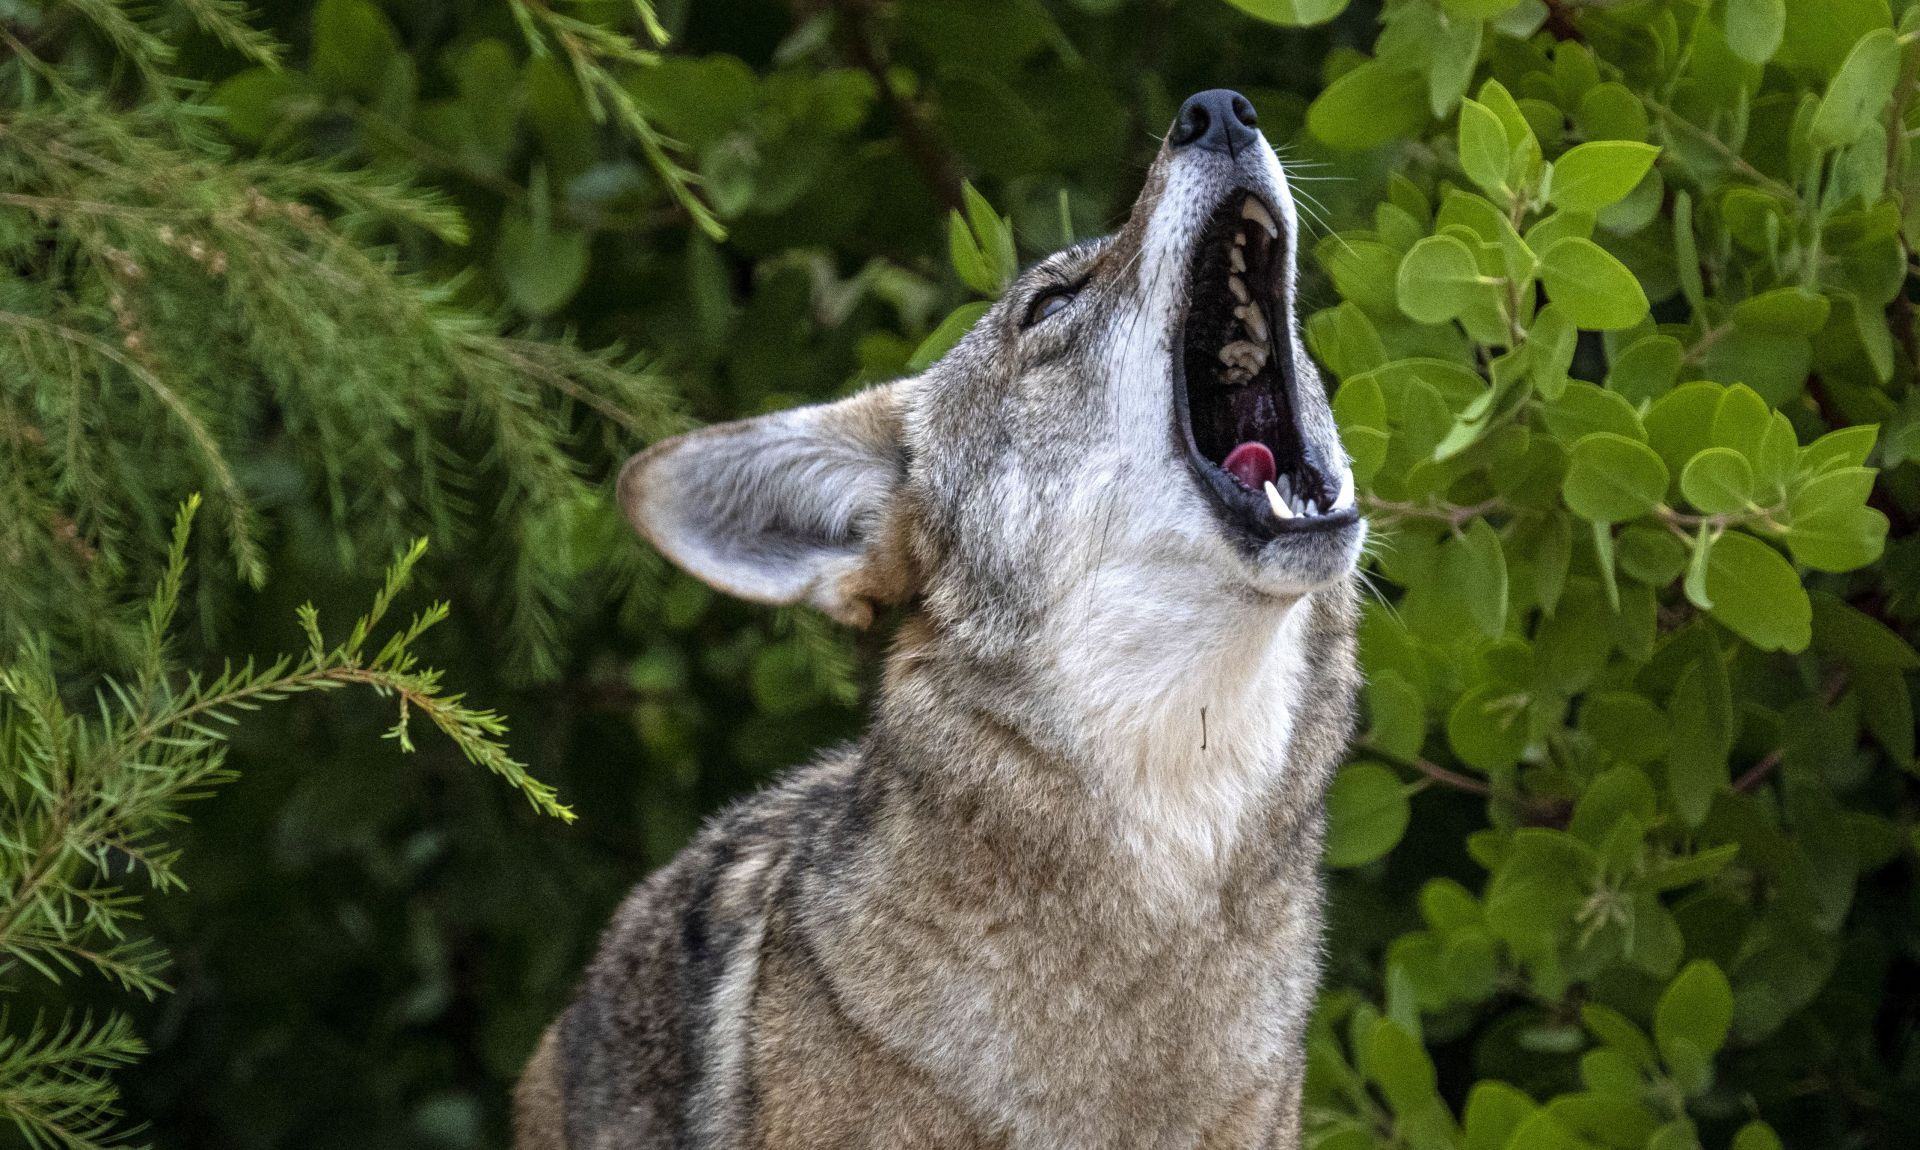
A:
1163, 758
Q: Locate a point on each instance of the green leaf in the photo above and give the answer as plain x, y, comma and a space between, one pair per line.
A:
1789, 311
1555, 341
1612, 479
968, 260
259, 101
541, 268
1437, 279
1597, 291
1647, 369
1674, 873
981, 245
1487, 728
1755, 28
1611, 111
1402, 1068
1455, 54
1473, 569
1858, 637
1697, 1010
1819, 36
1847, 447
1369, 106
1626, 725
1598, 175
352, 45
1367, 812
1756, 1135
1292, 13
1859, 93
1718, 481
1756, 593
942, 338
1838, 539
1584, 409
1740, 421
1835, 489
1495, 1111
1484, 150
1398, 714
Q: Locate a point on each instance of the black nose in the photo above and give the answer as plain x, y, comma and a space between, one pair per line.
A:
1218, 119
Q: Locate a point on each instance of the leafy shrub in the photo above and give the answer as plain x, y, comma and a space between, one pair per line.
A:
1625, 359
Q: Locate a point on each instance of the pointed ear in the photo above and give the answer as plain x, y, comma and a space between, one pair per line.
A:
799, 506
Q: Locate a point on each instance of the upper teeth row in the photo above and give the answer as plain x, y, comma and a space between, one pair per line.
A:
1245, 358
1286, 505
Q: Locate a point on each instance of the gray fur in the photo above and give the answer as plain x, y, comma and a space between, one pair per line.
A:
1065, 891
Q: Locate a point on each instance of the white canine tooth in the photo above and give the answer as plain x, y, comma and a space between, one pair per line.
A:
1256, 211
1313, 507
1279, 505
1236, 259
1238, 287
1255, 319
1345, 498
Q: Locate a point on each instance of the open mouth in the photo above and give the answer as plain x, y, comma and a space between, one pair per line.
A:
1235, 384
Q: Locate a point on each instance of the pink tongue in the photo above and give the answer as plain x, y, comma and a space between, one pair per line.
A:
1252, 464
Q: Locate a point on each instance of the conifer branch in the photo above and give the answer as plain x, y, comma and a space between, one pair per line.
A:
85, 800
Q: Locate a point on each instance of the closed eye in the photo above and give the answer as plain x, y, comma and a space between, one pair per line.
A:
1050, 303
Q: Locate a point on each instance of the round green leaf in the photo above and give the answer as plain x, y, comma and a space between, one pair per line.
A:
1436, 279
1611, 111
1611, 479
1646, 370
1488, 728
1839, 538
1853, 103
1369, 106
1756, 593
1696, 1008
1718, 481
1755, 28
1367, 812
1292, 13
1597, 291
1600, 174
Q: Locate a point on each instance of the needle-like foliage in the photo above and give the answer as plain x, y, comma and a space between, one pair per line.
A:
89, 793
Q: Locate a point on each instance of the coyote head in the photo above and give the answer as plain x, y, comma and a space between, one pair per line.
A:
1132, 444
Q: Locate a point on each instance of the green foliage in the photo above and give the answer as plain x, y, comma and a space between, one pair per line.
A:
1632, 428
86, 801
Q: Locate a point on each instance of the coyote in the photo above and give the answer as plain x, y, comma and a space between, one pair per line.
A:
1065, 891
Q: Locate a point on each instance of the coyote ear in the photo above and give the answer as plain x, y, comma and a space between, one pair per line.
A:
799, 506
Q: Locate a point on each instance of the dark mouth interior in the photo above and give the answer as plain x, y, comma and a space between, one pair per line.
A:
1238, 371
